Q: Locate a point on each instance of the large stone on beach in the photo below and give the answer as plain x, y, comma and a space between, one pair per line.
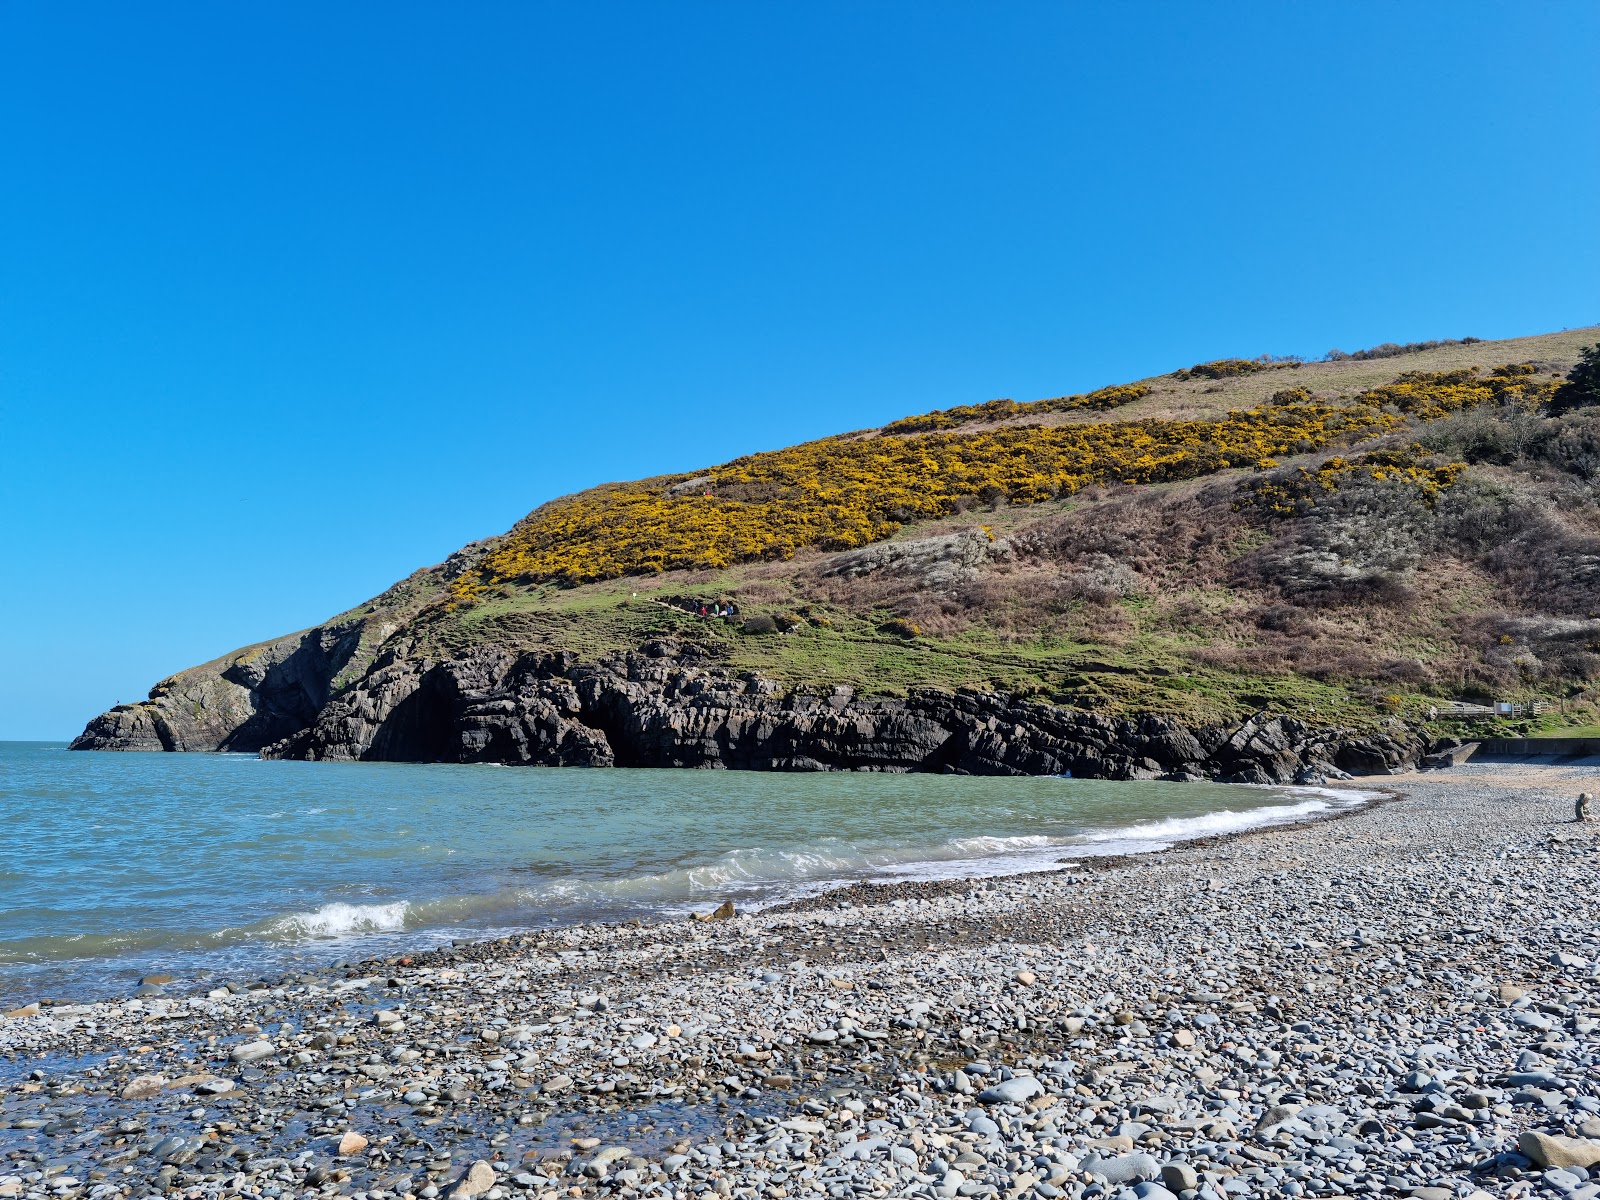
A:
1124, 1168
253, 1052
981, 1125
1017, 1090
1180, 1177
1553, 1150
480, 1177
1276, 1115
142, 1087
599, 1166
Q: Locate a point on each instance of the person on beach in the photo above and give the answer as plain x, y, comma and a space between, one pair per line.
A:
1580, 810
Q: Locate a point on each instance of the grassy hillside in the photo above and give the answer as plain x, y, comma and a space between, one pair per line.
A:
1338, 539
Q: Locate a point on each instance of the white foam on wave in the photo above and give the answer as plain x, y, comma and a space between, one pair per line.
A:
338, 918
758, 876
1342, 797
1157, 835
762, 875
1222, 820
984, 844
828, 858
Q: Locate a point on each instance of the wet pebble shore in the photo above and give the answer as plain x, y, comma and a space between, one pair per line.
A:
1402, 1002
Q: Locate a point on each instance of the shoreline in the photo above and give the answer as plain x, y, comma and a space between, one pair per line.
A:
848, 894
1369, 1005
193, 985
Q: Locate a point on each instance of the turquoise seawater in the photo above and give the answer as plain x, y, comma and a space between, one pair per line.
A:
206, 866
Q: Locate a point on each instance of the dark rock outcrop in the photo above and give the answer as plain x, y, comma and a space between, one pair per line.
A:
241, 702
644, 711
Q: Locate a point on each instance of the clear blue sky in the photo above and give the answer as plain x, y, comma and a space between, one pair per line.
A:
295, 298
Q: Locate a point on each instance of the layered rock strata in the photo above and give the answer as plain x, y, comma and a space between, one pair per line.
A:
638, 711
241, 702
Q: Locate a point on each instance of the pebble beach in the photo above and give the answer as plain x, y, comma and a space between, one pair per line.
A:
1404, 1000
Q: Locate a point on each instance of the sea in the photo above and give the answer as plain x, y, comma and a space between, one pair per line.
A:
226, 868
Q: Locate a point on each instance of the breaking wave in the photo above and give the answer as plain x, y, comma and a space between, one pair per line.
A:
1155, 835
338, 919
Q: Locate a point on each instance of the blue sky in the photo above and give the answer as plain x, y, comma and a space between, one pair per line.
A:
295, 298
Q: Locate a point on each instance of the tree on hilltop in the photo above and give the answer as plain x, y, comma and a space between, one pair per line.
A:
1582, 387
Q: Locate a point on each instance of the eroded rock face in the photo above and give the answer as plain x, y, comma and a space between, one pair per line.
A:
241, 703
642, 711
942, 561
656, 710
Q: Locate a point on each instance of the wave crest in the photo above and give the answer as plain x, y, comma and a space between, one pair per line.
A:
338, 918
1218, 821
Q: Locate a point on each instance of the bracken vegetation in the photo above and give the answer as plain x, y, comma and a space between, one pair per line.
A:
1459, 559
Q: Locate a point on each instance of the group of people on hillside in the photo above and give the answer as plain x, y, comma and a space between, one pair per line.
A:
714, 608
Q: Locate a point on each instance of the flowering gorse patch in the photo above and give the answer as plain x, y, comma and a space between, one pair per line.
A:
1429, 395
1232, 368
1227, 368
1294, 492
844, 492
1004, 410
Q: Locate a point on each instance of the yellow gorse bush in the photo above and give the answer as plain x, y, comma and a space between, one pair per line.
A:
1433, 394
844, 492
1004, 410
1226, 368
1302, 489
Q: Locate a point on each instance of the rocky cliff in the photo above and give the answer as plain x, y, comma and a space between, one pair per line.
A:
240, 702
663, 709
1119, 584
637, 710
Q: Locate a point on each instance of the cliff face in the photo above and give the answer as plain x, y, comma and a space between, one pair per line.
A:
239, 703
665, 709
1108, 584
642, 711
